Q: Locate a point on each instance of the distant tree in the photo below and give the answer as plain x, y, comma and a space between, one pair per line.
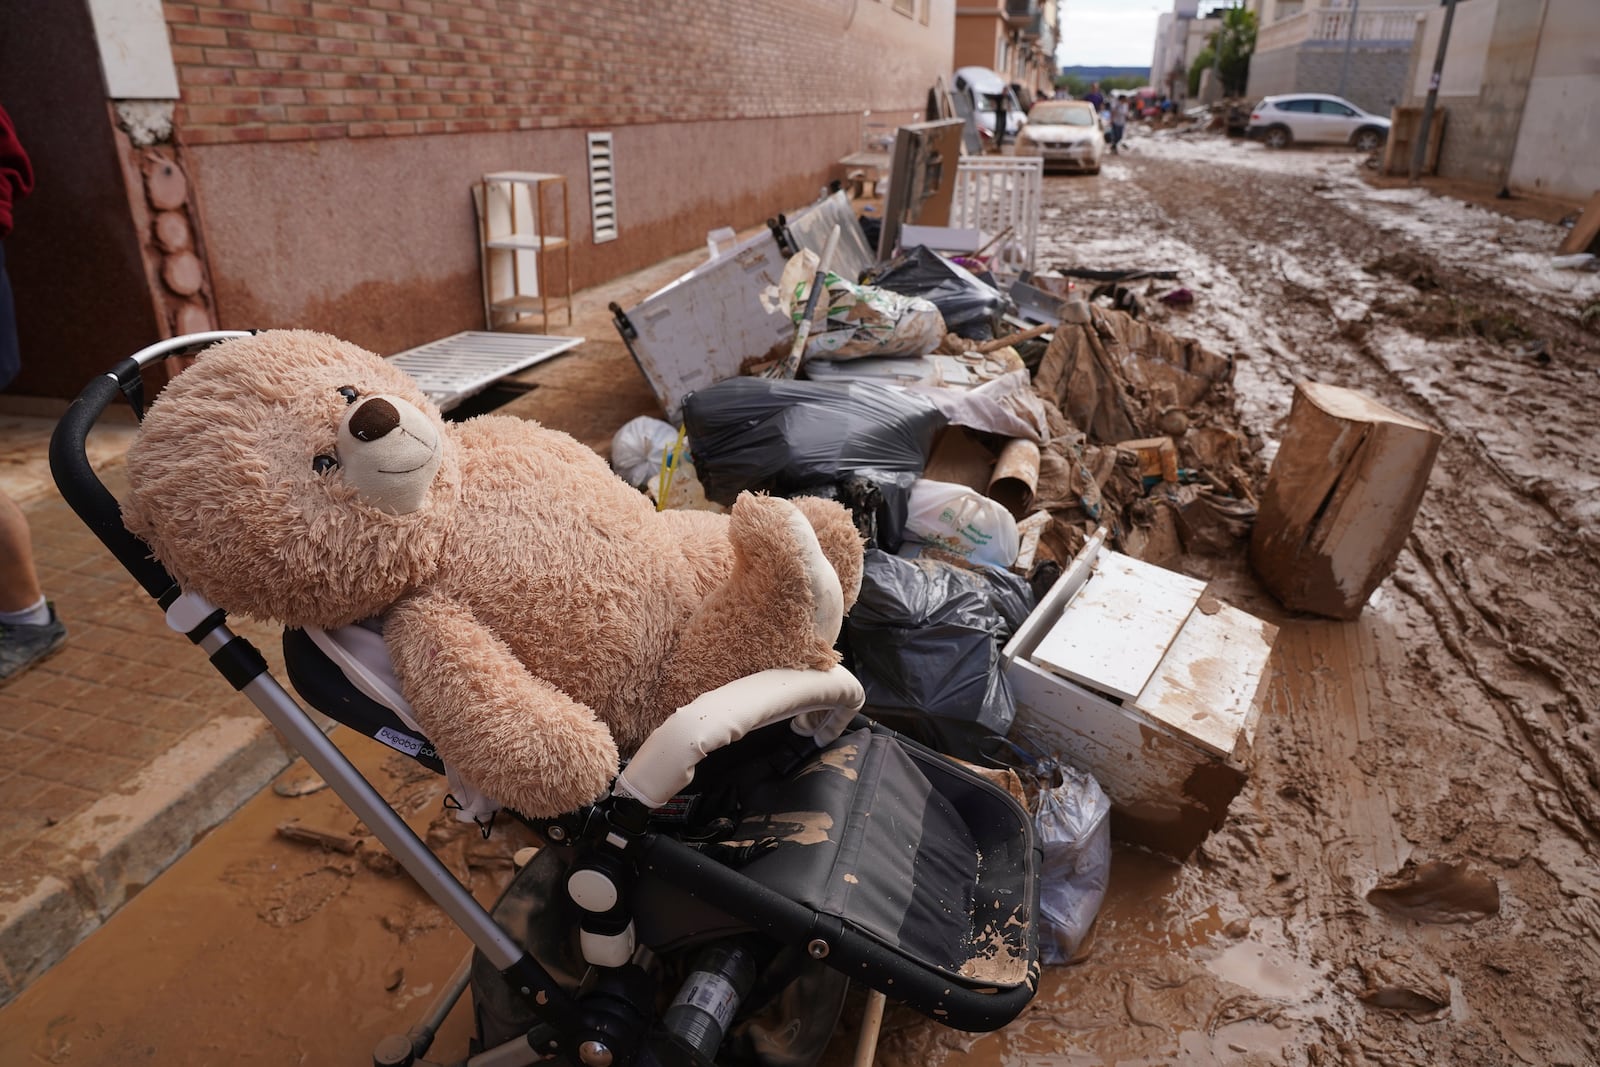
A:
1124, 81
1075, 86
1236, 41
1201, 63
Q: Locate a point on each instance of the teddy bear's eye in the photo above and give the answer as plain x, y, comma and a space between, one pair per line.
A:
324, 464
349, 393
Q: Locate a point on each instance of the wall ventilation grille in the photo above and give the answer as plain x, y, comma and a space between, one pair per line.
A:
602, 188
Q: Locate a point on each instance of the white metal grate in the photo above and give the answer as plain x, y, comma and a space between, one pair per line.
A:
453, 368
602, 188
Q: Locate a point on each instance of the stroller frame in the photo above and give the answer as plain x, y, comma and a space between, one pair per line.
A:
614, 836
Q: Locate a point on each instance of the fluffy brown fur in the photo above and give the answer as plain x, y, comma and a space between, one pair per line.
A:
541, 614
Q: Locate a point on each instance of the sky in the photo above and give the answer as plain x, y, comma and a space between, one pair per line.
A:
1110, 33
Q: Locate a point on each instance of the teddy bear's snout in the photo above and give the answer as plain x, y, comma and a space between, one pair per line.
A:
373, 419
389, 451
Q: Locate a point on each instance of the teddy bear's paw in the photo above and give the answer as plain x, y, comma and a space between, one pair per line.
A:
580, 777
774, 535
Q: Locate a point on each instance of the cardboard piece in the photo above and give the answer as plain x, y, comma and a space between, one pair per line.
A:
1340, 499
1585, 236
1016, 475
1158, 458
960, 458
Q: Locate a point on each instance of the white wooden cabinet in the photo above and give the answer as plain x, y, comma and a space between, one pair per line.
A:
1139, 676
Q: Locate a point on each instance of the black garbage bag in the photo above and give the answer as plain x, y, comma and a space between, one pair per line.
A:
785, 437
878, 501
970, 306
924, 638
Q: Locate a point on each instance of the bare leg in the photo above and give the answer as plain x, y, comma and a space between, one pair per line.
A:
19, 583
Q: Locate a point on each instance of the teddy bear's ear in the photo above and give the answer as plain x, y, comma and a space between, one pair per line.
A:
226, 487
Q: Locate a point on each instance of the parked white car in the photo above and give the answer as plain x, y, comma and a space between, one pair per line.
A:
1065, 133
1315, 118
984, 91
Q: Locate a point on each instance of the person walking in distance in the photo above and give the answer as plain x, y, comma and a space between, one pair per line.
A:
29, 629
1119, 121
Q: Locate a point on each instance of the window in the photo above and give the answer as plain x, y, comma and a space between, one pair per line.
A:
1073, 114
908, 8
1329, 107
1302, 106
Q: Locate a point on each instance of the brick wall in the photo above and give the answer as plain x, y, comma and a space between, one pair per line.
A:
333, 145
299, 70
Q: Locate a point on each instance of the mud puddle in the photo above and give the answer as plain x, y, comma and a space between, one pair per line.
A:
259, 949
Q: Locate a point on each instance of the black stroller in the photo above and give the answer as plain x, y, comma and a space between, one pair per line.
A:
715, 907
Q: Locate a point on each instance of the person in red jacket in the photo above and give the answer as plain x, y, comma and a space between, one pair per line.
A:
29, 629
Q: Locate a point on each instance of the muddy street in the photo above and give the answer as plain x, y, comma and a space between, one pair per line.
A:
1409, 876
1443, 743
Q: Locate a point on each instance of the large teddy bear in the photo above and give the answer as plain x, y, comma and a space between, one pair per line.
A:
541, 615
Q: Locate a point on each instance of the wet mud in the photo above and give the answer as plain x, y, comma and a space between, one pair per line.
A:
1409, 875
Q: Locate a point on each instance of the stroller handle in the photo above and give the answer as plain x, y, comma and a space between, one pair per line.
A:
81, 487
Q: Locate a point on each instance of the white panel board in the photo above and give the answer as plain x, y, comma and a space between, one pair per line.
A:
1207, 684
454, 368
702, 328
134, 51
1115, 631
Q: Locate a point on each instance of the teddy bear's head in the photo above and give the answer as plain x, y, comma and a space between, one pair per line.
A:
295, 477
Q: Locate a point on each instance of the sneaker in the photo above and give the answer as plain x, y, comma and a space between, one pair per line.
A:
22, 645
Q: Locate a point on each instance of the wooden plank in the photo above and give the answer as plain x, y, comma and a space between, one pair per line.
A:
1022, 642
1587, 231
1208, 685
1114, 633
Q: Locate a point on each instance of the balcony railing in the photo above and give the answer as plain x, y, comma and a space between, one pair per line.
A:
1019, 12
1328, 25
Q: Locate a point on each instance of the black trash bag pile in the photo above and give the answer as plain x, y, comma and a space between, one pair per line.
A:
970, 306
789, 437
924, 638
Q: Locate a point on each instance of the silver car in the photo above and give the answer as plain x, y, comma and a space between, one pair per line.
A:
1066, 133
1316, 118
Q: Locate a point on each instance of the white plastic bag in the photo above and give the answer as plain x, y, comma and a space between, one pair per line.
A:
962, 521
637, 446
1074, 830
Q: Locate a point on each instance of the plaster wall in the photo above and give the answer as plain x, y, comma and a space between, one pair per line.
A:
1273, 72
1465, 53
1557, 150
376, 239
979, 42
1484, 84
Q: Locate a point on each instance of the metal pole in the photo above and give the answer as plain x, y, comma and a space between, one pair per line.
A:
1421, 146
1349, 38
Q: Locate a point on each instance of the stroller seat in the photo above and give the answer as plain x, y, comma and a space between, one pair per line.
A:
883, 838
933, 867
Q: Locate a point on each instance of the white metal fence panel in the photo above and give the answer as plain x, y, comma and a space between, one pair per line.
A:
454, 368
1000, 195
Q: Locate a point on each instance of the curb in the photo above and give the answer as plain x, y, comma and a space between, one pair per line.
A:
124, 840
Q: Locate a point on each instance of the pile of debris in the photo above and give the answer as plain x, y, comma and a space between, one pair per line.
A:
981, 427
